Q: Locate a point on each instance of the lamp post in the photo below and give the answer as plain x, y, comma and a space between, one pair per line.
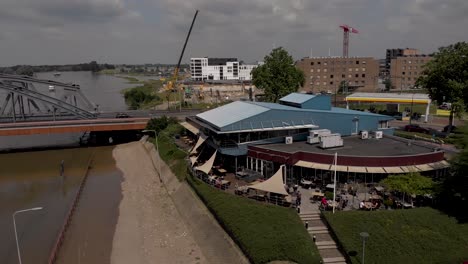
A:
14, 226
411, 109
157, 149
364, 236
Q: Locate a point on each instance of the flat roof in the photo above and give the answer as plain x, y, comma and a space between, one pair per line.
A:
355, 146
390, 97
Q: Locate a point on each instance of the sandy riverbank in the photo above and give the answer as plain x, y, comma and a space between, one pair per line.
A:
149, 228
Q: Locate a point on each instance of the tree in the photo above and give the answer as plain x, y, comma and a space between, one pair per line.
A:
388, 84
446, 77
412, 184
278, 76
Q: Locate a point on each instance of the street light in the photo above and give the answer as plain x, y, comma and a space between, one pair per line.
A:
157, 148
364, 236
14, 226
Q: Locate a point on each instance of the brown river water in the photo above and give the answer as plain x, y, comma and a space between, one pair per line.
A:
32, 179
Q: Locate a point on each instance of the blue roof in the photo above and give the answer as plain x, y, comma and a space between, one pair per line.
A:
297, 98
275, 106
231, 113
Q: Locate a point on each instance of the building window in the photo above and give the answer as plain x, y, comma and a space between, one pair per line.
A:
349, 75
363, 82
409, 73
409, 78
331, 83
356, 75
403, 73
325, 63
318, 77
350, 69
363, 75
414, 78
363, 62
324, 77
311, 70
317, 83
324, 83
404, 67
318, 62
311, 77
415, 73
318, 70
343, 76
324, 70
363, 69
331, 76
311, 63
409, 62
357, 62
404, 61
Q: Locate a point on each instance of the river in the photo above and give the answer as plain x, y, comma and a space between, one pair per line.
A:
32, 179
103, 90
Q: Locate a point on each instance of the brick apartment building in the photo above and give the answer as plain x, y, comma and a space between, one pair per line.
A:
405, 70
327, 73
395, 53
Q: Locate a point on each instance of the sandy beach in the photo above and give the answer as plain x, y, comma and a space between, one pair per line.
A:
149, 228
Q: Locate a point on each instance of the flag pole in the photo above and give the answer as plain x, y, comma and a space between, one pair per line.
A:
334, 183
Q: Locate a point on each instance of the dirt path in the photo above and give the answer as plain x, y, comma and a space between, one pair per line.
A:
149, 228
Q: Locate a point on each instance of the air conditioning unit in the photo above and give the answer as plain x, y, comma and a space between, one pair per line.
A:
378, 134
364, 134
288, 140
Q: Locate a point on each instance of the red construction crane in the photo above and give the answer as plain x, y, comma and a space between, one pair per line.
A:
346, 30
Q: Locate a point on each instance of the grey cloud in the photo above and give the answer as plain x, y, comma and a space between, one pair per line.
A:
78, 30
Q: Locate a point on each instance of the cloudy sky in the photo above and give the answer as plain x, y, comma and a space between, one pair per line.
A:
151, 31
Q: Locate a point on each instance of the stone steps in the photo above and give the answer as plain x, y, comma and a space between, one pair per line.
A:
334, 260
317, 228
318, 231
325, 243
327, 247
310, 218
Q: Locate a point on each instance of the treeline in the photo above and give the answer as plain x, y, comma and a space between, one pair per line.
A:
30, 69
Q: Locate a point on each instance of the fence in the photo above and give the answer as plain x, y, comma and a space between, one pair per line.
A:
61, 236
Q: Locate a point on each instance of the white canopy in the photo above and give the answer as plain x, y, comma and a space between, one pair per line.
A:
200, 141
273, 185
206, 168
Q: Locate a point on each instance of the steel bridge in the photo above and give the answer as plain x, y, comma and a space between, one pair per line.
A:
27, 107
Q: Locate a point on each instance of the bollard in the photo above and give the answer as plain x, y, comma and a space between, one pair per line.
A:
314, 238
306, 224
298, 210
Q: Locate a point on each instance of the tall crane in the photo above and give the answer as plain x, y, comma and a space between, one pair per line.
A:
170, 85
346, 30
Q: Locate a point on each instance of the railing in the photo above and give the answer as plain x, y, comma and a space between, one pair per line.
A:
58, 244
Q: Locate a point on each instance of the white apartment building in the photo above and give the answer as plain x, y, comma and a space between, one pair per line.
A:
216, 69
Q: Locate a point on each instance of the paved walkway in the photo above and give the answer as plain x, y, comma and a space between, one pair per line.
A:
327, 247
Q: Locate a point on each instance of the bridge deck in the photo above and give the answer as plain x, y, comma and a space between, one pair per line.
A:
72, 126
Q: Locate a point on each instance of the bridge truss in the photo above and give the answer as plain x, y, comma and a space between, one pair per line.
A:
25, 98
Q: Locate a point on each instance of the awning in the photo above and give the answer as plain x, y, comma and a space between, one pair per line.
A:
273, 185
424, 167
439, 165
190, 127
320, 166
206, 168
409, 169
304, 164
394, 170
193, 159
200, 141
357, 169
375, 170
339, 168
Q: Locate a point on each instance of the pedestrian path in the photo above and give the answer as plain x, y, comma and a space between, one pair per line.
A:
318, 230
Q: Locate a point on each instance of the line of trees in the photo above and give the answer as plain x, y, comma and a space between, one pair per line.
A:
31, 69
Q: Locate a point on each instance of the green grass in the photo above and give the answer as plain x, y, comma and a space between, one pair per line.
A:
264, 232
422, 235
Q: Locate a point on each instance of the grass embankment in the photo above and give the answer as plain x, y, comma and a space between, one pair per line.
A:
263, 232
422, 235
143, 96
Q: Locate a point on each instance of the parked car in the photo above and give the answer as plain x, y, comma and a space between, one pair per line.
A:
416, 128
122, 115
452, 129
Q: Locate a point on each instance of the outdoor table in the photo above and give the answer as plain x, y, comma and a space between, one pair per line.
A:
317, 194
222, 171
